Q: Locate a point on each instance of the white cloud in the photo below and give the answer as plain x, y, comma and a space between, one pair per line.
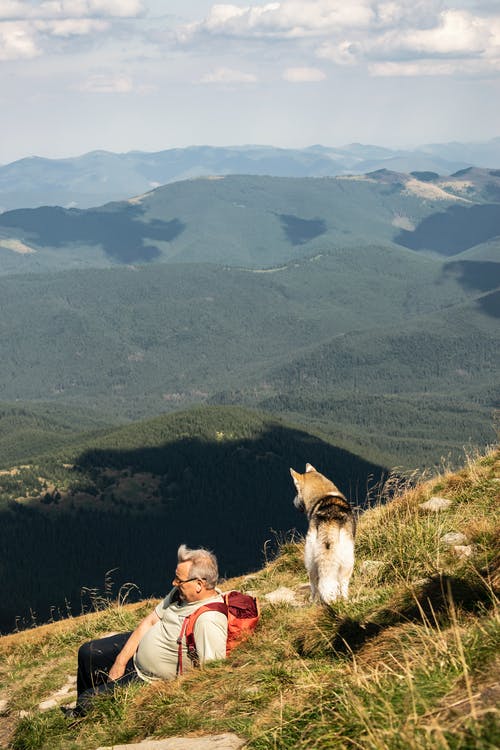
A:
303, 75
289, 19
21, 9
115, 8
72, 26
13, 9
414, 68
103, 84
435, 68
457, 33
378, 34
446, 42
23, 25
403, 14
342, 53
228, 76
16, 42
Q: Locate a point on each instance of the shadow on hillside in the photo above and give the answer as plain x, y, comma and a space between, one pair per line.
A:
481, 275
230, 495
299, 231
471, 274
432, 606
455, 230
490, 304
117, 227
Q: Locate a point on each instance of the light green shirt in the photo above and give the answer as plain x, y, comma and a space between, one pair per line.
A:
157, 654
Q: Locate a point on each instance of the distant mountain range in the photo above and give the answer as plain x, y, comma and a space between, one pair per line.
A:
100, 176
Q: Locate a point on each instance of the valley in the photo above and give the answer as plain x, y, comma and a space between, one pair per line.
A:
166, 358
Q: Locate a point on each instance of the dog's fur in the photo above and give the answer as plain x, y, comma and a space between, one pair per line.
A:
329, 548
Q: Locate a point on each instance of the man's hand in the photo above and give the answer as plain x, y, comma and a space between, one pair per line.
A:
129, 649
116, 671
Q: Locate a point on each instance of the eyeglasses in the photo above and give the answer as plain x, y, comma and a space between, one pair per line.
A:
178, 580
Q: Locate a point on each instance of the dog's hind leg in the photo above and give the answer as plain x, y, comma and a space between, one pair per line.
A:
313, 582
328, 585
345, 557
344, 586
311, 564
328, 577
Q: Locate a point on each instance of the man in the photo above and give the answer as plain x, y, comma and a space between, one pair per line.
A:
151, 651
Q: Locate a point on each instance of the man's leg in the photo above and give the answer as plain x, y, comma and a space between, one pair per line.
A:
85, 698
95, 659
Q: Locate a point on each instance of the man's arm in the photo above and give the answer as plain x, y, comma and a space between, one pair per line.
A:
210, 636
129, 649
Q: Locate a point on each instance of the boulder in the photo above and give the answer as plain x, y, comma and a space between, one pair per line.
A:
435, 504
54, 700
283, 595
463, 550
210, 742
453, 538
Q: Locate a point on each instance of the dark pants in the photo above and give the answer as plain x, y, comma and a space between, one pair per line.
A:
95, 659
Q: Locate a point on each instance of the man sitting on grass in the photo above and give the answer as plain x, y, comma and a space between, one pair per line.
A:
151, 651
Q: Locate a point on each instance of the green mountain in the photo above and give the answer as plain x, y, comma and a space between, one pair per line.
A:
256, 222
212, 476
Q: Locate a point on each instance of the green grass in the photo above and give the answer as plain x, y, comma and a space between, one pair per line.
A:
409, 662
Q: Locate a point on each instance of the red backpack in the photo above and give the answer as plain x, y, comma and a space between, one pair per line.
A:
242, 612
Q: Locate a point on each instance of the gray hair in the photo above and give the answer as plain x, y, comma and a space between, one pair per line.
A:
203, 564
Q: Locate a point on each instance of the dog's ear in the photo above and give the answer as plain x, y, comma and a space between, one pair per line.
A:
310, 467
296, 478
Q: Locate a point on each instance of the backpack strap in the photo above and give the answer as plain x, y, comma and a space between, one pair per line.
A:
187, 631
179, 645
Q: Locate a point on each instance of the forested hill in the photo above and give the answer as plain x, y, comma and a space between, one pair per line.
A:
211, 476
393, 353
258, 222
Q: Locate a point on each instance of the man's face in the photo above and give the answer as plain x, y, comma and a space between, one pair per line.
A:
189, 588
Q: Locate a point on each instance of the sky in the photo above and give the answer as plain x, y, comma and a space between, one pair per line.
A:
148, 75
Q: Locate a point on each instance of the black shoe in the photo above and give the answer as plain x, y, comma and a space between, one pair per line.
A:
71, 713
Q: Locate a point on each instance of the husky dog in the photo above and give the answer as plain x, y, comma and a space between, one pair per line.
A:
329, 548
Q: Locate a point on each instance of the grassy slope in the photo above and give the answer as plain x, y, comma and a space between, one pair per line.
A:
409, 662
